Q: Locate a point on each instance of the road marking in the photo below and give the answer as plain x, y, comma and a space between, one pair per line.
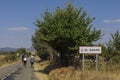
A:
9, 74
4, 78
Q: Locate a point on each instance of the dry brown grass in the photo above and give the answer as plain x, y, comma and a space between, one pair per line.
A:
40, 75
4, 63
2, 56
68, 73
61, 74
93, 75
39, 67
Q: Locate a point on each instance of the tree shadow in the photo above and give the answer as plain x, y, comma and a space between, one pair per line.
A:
49, 68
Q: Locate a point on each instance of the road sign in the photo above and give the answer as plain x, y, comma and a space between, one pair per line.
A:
90, 50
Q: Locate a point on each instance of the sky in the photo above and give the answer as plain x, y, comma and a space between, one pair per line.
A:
17, 18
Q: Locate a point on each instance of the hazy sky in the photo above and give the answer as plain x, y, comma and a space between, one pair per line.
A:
17, 18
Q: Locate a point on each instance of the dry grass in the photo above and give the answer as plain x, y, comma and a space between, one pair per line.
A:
39, 67
93, 75
68, 73
61, 74
4, 63
40, 75
2, 56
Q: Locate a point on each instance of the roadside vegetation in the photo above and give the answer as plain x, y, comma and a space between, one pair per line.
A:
57, 39
7, 58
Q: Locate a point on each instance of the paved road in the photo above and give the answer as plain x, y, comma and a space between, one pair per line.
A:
17, 72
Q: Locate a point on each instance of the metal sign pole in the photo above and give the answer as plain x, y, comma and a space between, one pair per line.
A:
83, 62
90, 50
97, 62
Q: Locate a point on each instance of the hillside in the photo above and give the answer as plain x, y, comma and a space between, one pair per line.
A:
7, 49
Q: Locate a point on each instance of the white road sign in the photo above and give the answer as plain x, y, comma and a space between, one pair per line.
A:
90, 49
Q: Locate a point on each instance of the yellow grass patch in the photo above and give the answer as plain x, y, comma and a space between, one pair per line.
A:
7, 64
39, 67
40, 75
2, 56
69, 73
4, 63
61, 74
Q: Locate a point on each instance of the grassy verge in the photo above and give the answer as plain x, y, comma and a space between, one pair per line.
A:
7, 59
39, 69
68, 73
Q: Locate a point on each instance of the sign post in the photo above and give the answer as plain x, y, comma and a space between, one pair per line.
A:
83, 58
97, 62
90, 50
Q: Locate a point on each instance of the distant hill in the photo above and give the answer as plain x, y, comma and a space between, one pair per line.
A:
7, 49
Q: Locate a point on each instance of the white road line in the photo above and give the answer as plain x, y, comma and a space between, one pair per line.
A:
3, 78
9, 74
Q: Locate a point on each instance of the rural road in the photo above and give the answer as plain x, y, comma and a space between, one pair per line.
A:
17, 72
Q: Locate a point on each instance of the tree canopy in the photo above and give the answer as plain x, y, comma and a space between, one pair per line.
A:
64, 30
113, 48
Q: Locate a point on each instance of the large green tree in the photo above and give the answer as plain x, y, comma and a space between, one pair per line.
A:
64, 30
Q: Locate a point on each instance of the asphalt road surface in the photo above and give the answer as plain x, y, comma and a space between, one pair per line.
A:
17, 72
